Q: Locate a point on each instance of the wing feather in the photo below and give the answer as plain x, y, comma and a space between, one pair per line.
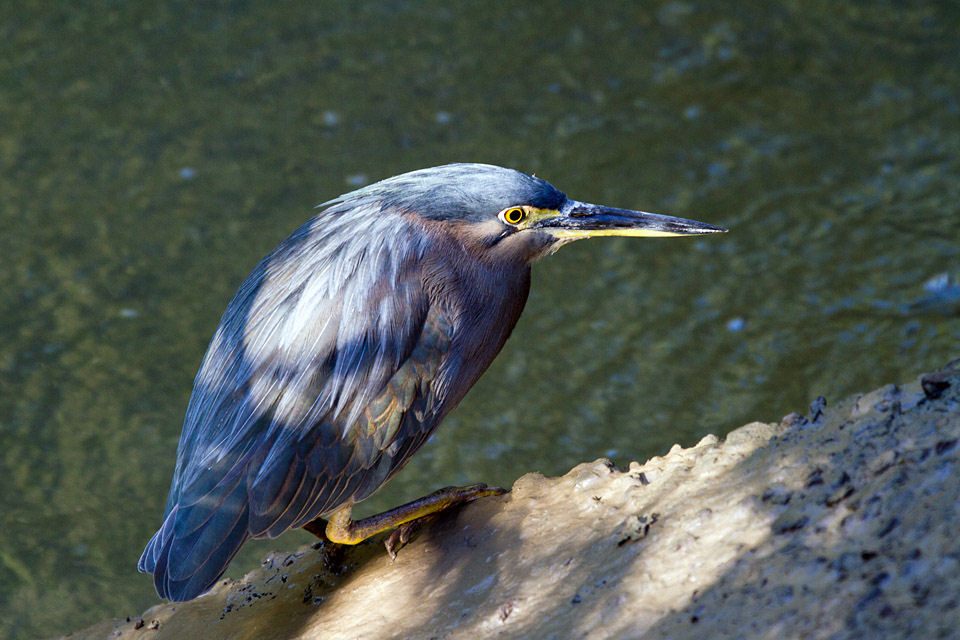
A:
278, 429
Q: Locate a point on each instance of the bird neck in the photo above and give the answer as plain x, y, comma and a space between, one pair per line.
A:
483, 299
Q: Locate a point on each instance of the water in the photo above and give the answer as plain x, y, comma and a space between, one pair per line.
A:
151, 153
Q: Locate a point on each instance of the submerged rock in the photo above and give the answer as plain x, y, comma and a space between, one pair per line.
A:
838, 524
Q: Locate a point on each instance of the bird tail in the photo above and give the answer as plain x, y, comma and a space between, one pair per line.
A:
193, 547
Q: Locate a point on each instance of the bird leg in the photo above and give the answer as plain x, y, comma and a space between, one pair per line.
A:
318, 527
342, 530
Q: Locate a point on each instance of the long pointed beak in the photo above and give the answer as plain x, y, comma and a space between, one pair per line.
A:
584, 220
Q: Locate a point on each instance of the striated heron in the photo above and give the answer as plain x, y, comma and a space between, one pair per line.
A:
344, 349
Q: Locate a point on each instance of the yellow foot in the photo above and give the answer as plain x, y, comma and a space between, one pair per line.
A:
342, 530
403, 534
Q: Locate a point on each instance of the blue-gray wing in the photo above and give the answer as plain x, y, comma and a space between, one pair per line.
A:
320, 382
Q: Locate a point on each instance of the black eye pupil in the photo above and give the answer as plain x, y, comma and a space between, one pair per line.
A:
514, 216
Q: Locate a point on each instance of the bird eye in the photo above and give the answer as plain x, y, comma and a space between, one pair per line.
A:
513, 215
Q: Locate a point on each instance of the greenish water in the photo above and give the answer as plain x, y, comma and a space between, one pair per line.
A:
151, 153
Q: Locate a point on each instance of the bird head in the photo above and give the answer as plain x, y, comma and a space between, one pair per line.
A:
507, 213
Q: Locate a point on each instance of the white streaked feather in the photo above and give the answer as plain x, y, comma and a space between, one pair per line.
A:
304, 305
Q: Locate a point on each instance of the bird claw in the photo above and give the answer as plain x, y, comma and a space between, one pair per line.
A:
404, 533
475, 491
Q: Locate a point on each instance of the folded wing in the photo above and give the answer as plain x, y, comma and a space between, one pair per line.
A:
320, 382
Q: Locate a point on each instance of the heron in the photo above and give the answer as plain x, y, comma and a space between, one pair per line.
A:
344, 349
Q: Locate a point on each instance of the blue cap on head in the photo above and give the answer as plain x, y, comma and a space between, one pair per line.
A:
463, 191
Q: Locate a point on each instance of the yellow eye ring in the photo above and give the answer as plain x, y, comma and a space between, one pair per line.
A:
513, 215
